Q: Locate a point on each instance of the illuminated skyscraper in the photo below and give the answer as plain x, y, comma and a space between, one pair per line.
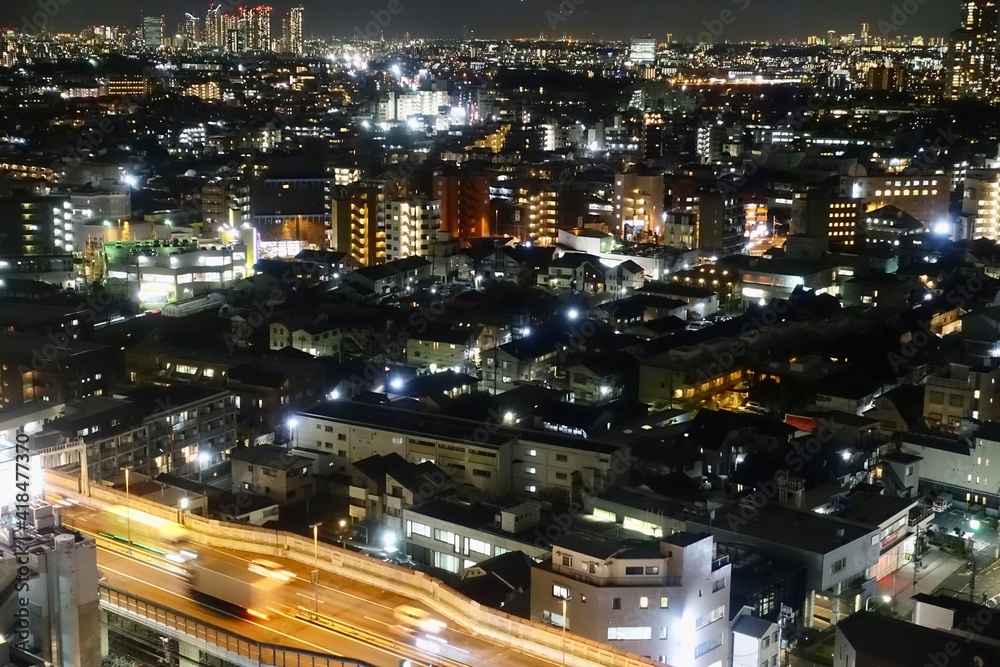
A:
643, 51
190, 31
294, 44
152, 31
972, 53
257, 22
215, 35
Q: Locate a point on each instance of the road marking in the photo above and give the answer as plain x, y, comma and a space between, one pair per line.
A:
319, 648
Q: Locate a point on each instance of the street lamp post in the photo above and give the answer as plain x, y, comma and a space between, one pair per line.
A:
181, 509
315, 572
565, 623
343, 538
128, 507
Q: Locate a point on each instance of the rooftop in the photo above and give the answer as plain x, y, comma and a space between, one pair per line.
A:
806, 531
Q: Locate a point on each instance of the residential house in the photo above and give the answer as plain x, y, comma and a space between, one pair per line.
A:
273, 472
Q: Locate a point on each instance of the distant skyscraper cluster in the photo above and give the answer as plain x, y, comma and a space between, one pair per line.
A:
972, 54
248, 29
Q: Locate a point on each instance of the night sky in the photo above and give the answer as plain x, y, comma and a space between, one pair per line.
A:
608, 19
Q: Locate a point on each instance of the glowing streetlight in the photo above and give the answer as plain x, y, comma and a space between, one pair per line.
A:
203, 459
128, 507
315, 572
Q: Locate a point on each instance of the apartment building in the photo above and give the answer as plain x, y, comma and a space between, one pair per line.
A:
454, 535
967, 467
411, 225
520, 361
440, 346
169, 429
926, 197
960, 392
485, 460
638, 204
666, 600
49, 368
837, 554
318, 337
383, 486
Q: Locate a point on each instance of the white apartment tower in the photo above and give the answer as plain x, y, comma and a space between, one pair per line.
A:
410, 226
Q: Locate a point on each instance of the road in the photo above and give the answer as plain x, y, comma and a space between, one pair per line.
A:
985, 547
365, 610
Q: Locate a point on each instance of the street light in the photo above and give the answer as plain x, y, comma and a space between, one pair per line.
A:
342, 524
128, 507
565, 622
315, 572
202, 459
181, 509
885, 599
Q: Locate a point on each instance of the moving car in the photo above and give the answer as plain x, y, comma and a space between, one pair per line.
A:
268, 568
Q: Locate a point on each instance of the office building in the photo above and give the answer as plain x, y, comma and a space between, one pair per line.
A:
837, 218
152, 32
972, 52
643, 51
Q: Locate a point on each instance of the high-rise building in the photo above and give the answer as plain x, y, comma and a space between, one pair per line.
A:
722, 222
215, 35
152, 32
981, 205
295, 43
972, 53
465, 204
256, 21
638, 203
410, 227
365, 205
190, 31
643, 51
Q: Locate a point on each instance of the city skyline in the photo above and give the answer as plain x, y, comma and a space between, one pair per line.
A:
719, 20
